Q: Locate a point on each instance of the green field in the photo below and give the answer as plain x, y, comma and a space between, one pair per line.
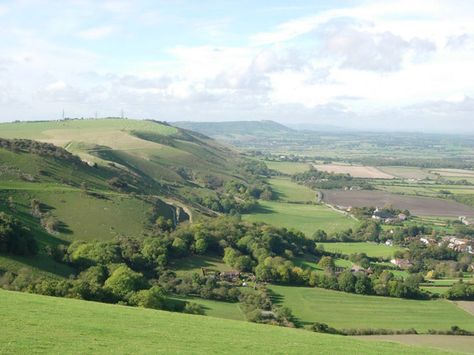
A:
288, 168
307, 263
288, 191
194, 264
56, 325
306, 218
218, 309
371, 249
345, 310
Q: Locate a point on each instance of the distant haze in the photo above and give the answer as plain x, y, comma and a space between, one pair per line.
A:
395, 65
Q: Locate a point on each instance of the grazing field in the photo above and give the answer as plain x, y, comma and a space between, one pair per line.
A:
346, 310
358, 171
288, 168
74, 326
309, 263
218, 309
419, 206
371, 249
446, 342
303, 217
194, 264
288, 191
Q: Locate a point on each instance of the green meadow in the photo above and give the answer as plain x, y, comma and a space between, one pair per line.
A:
371, 249
303, 217
345, 310
75, 327
288, 168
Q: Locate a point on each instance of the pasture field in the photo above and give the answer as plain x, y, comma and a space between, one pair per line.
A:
194, 264
418, 206
436, 290
288, 168
358, 171
371, 249
218, 309
74, 326
446, 342
346, 310
303, 217
288, 191
308, 263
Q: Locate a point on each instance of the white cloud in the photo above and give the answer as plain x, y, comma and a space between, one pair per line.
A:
96, 33
355, 65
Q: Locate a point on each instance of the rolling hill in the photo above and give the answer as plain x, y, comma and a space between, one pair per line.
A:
73, 326
98, 179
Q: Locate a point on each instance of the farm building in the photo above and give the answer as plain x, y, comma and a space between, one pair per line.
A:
402, 263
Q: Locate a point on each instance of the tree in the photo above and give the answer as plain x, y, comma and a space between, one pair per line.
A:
346, 281
327, 263
152, 298
124, 281
193, 308
15, 238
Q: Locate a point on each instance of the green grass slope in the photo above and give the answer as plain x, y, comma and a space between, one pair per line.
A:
32, 323
153, 148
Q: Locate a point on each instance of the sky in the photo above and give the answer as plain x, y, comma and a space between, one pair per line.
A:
401, 65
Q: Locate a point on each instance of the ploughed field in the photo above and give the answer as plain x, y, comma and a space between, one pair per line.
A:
419, 206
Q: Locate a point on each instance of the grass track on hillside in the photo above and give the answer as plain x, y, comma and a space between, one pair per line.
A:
346, 310
56, 325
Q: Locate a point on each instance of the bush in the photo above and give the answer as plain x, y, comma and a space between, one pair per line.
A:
15, 238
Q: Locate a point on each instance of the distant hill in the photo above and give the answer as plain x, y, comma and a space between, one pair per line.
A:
60, 325
234, 128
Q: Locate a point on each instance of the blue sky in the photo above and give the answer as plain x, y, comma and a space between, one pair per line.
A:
395, 64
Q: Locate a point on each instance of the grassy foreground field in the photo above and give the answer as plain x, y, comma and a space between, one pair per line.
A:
371, 249
39, 324
344, 310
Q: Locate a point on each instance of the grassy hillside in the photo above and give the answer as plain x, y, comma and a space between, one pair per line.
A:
341, 309
73, 326
150, 147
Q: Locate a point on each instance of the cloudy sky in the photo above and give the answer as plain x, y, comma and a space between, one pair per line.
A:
396, 65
